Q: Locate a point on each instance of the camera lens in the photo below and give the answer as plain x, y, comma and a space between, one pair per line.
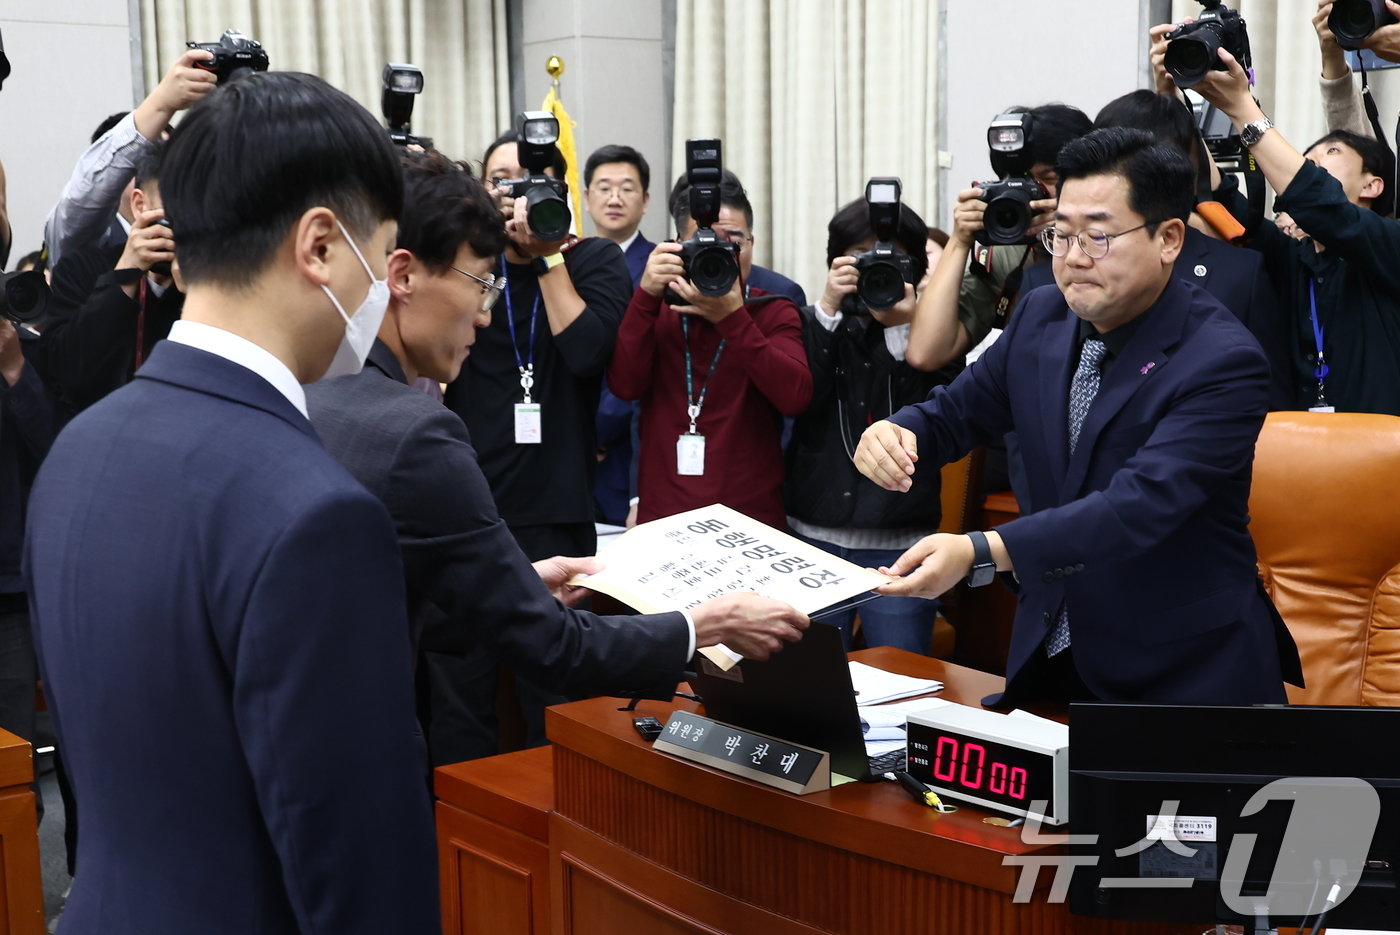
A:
1190, 57
713, 270
1008, 217
1353, 21
880, 285
26, 295
547, 214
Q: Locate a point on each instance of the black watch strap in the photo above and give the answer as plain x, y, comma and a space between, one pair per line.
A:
984, 570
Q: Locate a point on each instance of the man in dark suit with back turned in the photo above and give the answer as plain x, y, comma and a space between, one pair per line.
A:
218, 605
468, 581
1138, 398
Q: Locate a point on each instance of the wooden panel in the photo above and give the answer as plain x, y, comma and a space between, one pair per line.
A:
16, 761
23, 895
494, 881
513, 789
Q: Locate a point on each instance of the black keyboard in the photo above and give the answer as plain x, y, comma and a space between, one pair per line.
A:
888, 762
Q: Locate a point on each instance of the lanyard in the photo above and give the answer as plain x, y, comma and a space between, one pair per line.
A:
1321, 371
140, 325
525, 365
693, 405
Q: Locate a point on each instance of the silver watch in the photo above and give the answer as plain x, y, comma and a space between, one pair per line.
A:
1252, 133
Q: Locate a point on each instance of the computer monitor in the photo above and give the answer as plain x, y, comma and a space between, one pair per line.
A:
1241, 849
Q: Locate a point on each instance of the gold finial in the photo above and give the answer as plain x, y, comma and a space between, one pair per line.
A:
555, 67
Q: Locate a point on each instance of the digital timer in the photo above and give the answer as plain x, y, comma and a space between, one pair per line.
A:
1010, 764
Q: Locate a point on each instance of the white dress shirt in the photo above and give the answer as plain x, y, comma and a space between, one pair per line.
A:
243, 352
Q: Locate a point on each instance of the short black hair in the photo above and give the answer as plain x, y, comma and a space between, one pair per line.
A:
1161, 183
1052, 126
731, 195
255, 154
617, 153
147, 168
851, 225
108, 123
558, 163
445, 206
1376, 158
1166, 117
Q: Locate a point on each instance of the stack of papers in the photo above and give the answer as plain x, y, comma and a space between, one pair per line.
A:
876, 686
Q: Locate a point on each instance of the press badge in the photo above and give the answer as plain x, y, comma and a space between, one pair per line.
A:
527, 424
690, 455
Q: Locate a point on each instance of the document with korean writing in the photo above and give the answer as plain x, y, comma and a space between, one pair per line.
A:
683, 560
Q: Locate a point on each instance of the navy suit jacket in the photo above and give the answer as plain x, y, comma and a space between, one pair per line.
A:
468, 582
761, 277
636, 256
1142, 534
218, 609
1237, 279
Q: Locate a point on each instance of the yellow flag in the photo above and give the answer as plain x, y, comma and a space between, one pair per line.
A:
555, 106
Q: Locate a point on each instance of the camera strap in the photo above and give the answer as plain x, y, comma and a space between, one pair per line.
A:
1374, 116
526, 363
694, 405
141, 292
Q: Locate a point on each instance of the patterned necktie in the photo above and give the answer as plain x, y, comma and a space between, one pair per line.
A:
1082, 390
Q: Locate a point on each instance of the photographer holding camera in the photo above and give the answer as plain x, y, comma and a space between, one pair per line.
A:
715, 364
965, 301
856, 335
1340, 283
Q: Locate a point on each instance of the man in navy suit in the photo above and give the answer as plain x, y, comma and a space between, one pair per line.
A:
1138, 398
218, 605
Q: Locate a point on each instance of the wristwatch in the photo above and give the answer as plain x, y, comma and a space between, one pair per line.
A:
543, 264
984, 570
1252, 133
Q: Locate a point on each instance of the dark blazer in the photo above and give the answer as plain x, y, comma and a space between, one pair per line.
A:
219, 615
636, 256
467, 580
1142, 535
764, 279
1238, 280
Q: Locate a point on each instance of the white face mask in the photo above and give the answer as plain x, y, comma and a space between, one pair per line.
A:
363, 327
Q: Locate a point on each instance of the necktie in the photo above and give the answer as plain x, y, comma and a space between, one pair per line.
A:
1082, 390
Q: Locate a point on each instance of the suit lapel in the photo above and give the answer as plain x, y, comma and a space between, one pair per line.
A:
1054, 362
194, 369
1145, 353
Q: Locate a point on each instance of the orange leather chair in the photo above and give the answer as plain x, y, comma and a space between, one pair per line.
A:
1325, 516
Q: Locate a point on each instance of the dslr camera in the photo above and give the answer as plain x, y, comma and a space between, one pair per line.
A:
546, 210
24, 296
1007, 219
883, 269
1353, 21
1192, 47
402, 84
711, 261
235, 55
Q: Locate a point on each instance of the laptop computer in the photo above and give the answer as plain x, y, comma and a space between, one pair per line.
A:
802, 694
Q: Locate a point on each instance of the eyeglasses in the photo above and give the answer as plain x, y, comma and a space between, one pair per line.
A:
1093, 242
491, 288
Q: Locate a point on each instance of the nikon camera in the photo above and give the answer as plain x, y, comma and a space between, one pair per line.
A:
711, 261
546, 207
235, 55
1192, 47
883, 268
1008, 216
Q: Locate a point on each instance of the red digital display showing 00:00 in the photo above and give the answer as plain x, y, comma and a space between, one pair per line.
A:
966, 764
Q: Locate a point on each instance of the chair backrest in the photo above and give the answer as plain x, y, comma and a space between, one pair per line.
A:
1325, 516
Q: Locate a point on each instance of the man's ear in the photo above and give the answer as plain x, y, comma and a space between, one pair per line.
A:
404, 271
314, 239
1172, 234
1373, 188
138, 202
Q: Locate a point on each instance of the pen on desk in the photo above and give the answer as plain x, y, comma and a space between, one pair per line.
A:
918, 791
1016, 823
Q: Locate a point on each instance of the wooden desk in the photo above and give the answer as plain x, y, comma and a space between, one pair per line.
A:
638, 841
21, 886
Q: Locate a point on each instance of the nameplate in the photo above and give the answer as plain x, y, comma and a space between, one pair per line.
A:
774, 762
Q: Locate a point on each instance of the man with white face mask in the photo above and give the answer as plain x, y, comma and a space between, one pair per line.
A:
218, 606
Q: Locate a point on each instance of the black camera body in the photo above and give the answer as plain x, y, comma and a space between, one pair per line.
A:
545, 199
235, 55
883, 268
711, 262
1353, 21
402, 84
24, 296
1192, 47
1007, 219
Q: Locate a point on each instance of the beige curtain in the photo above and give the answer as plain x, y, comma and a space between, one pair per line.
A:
811, 98
1287, 65
459, 44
